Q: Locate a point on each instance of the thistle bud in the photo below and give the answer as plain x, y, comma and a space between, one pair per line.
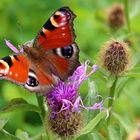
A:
115, 57
116, 16
66, 124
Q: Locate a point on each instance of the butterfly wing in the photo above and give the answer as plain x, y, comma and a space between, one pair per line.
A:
57, 31
18, 69
15, 68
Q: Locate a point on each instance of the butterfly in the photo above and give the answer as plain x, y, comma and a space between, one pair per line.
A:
52, 56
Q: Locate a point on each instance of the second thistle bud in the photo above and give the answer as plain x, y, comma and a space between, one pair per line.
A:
116, 16
115, 57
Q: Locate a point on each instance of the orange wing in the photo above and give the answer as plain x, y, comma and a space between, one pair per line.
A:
15, 68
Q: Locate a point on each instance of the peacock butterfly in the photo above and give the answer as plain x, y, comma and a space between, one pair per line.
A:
53, 55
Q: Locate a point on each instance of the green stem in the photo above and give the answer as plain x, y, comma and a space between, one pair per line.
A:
112, 95
112, 92
40, 100
126, 6
41, 106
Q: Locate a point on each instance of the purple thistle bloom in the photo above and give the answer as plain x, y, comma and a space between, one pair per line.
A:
12, 47
65, 96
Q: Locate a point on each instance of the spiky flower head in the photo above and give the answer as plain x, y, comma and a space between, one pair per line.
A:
65, 104
116, 16
115, 57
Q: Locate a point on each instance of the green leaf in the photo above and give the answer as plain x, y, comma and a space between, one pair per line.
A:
125, 123
115, 132
19, 104
91, 125
3, 122
121, 85
97, 136
136, 69
135, 75
43, 136
22, 135
84, 137
4, 135
110, 81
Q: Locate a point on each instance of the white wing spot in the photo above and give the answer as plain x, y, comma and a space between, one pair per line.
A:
2, 71
10, 73
63, 28
63, 34
16, 74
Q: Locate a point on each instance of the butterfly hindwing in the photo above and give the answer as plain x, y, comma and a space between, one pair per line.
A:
65, 61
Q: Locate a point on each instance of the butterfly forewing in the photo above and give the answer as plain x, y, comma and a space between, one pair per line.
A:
15, 68
57, 31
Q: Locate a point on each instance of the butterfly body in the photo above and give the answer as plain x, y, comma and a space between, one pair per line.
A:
53, 55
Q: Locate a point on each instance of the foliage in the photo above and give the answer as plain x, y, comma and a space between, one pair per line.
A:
19, 110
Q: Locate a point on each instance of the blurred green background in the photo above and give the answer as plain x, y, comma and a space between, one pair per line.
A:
21, 20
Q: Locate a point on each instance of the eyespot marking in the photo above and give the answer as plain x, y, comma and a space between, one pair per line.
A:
60, 18
67, 51
4, 68
32, 80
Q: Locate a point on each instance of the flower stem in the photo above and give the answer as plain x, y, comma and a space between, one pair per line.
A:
126, 6
40, 100
41, 106
112, 93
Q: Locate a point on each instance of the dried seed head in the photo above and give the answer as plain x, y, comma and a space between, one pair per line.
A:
116, 16
115, 57
66, 124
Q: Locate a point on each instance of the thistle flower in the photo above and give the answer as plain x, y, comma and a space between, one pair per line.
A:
115, 57
65, 104
116, 16
12, 47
